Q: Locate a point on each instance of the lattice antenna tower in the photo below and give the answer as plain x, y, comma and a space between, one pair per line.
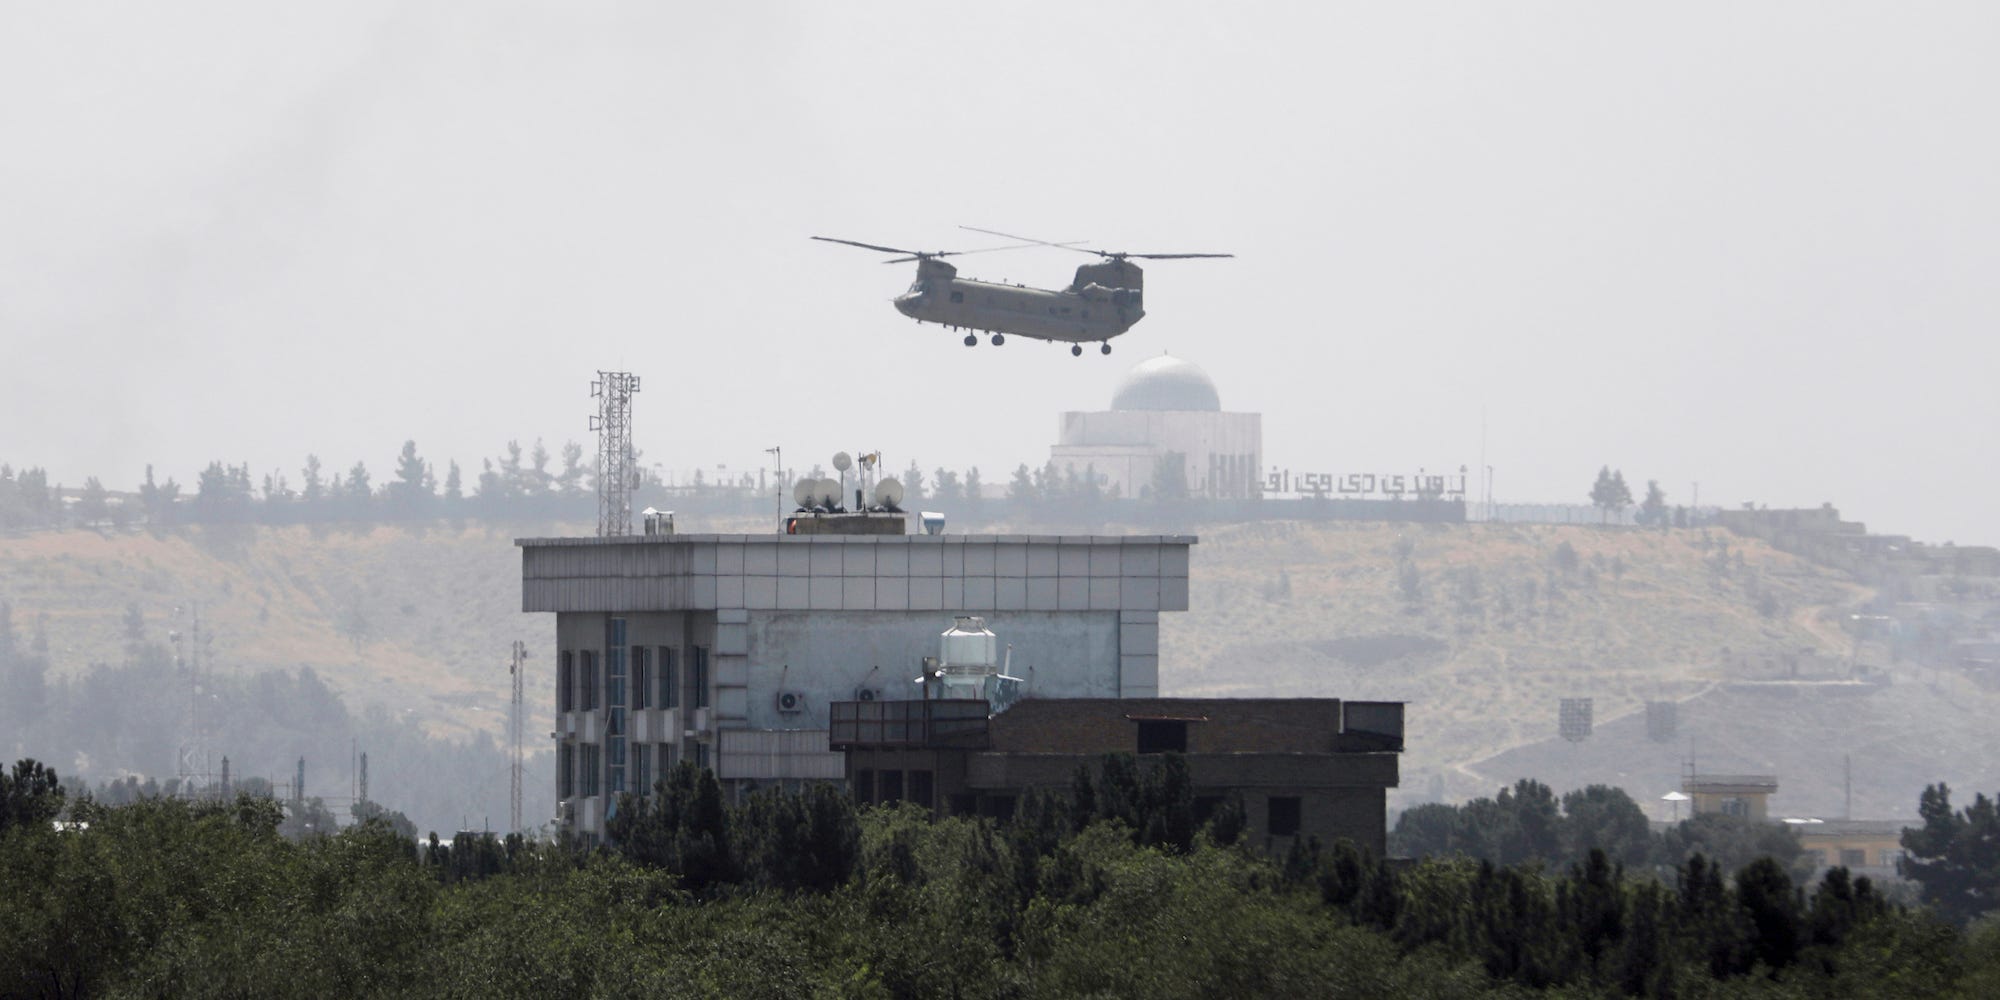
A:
192, 763
616, 475
515, 723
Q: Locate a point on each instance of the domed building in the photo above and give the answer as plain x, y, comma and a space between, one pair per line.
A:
1166, 413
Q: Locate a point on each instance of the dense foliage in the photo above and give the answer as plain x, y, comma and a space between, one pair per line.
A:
1527, 824
803, 895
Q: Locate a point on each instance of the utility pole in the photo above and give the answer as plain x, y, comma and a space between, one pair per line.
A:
514, 772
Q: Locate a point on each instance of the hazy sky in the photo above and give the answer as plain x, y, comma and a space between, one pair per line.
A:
1753, 245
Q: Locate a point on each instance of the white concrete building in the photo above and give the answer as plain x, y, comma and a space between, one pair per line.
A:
727, 649
1165, 406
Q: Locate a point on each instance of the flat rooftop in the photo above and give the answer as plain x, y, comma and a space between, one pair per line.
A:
831, 539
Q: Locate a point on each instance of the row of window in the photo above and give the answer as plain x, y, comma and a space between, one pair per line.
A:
580, 767
655, 679
1854, 857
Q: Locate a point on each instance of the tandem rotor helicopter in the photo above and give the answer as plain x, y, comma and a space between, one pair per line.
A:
1105, 300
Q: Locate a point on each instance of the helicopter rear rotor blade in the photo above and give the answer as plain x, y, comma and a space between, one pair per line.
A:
1171, 256
962, 253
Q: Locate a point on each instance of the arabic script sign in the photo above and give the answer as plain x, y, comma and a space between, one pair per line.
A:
1360, 485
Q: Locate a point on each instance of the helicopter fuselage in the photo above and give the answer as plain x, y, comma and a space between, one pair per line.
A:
1091, 309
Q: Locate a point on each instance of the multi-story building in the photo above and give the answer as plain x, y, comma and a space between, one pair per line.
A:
1301, 766
728, 650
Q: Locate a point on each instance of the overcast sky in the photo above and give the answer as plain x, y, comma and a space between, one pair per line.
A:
1750, 245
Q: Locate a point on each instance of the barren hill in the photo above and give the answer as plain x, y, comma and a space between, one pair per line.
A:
1482, 628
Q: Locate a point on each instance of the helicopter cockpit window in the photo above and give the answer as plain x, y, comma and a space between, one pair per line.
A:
958, 296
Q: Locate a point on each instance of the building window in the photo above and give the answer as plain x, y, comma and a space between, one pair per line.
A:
1853, 857
670, 677
565, 682
698, 669
864, 785
1739, 808
566, 771
1282, 816
1000, 807
1818, 858
592, 774
891, 783
586, 680
642, 774
1162, 736
642, 688
922, 789
701, 756
964, 804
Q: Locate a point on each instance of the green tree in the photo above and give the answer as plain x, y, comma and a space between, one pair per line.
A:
1601, 817
947, 489
1954, 857
1022, 489
410, 494
1653, 509
569, 481
31, 797
94, 505
1609, 493
1169, 478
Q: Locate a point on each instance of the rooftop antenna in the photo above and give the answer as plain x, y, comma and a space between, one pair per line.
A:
616, 477
514, 749
778, 480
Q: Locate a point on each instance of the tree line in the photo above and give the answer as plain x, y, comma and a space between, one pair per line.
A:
1103, 889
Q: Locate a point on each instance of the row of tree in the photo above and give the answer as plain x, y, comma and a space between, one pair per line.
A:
1068, 898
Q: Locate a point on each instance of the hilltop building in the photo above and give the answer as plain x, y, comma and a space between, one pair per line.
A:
1165, 407
727, 650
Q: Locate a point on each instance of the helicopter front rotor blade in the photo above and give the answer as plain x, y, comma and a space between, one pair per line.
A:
865, 246
1172, 256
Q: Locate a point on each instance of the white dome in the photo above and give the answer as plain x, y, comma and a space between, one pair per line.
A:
1166, 383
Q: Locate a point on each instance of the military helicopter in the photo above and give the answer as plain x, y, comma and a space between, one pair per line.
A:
1104, 300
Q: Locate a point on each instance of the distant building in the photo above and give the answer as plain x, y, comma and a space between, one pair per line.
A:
1869, 847
1745, 796
727, 650
1301, 766
1165, 407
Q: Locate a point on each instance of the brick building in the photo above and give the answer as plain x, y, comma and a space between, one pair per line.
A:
1302, 766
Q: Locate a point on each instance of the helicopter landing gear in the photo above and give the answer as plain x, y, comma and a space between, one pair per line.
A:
998, 340
1076, 349
1106, 348
971, 341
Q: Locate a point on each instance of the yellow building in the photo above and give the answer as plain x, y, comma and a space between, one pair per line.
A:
1746, 796
1865, 846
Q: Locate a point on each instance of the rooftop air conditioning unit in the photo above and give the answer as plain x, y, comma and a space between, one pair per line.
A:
866, 694
791, 702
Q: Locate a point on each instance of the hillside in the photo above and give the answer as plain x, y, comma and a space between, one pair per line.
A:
1481, 628
1484, 628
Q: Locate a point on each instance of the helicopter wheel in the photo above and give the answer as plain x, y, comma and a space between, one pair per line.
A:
1076, 349
998, 340
1105, 348
971, 341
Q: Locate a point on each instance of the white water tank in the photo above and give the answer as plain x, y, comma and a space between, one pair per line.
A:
968, 644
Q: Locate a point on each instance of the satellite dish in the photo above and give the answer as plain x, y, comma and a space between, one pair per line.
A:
803, 491
829, 492
888, 492
842, 461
